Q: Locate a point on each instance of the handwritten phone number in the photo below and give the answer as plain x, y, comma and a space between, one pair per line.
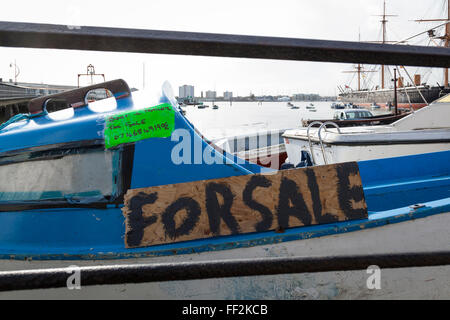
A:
137, 132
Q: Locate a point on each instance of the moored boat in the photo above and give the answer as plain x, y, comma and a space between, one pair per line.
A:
414, 95
337, 106
426, 130
342, 119
408, 98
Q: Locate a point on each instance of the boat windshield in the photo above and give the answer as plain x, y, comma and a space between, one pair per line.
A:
358, 114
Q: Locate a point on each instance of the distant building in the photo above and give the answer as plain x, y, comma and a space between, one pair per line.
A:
210, 94
186, 92
227, 95
306, 97
284, 99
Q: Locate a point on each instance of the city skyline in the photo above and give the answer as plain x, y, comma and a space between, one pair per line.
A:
188, 91
323, 19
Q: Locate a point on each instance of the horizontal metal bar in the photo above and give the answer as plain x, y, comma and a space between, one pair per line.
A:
33, 35
140, 273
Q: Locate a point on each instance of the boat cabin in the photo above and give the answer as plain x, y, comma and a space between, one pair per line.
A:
352, 114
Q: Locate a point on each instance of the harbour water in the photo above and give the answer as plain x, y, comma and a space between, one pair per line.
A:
247, 117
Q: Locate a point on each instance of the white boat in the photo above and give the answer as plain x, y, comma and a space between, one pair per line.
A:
426, 130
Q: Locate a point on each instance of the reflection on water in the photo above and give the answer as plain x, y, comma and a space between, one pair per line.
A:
245, 117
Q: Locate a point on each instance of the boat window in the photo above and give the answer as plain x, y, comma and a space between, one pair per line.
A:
101, 100
81, 175
98, 94
269, 140
351, 115
280, 138
54, 105
246, 143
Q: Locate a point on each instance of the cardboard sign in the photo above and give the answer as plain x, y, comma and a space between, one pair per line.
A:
243, 204
132, 126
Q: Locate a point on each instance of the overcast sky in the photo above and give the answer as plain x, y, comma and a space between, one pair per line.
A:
319, 19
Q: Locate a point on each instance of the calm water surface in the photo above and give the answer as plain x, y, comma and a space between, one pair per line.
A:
247, 117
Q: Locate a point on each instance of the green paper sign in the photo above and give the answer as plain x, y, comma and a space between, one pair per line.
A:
132, 126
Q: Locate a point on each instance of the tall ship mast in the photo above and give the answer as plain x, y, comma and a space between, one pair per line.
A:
412, 95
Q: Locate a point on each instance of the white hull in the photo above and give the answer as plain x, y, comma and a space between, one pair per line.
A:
420, 235
343, 153
425, 131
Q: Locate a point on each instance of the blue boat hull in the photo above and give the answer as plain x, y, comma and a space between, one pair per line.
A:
72, 233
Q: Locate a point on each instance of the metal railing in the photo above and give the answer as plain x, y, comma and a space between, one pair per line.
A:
324, 126
34, 35
156, 272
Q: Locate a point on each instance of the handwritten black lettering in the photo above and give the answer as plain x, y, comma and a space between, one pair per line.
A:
289, 193
215, 211
267, 217
193, 214
245, 211
136, 221
347, 193
317, 204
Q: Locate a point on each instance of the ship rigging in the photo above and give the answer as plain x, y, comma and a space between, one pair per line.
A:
414, 94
